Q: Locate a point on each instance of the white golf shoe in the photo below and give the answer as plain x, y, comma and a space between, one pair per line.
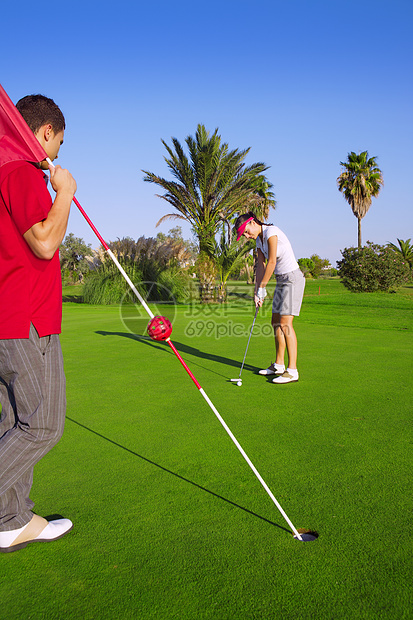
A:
286, 377
37, 530
273, 369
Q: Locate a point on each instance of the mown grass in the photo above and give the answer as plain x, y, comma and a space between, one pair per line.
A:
170, 522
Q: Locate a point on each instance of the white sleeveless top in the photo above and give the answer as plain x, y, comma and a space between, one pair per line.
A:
286, 261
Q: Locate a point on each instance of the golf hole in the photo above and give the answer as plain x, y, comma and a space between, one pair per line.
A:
306, 535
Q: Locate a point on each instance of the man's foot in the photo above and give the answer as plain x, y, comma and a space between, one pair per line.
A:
273, 369
286, 377
37, 530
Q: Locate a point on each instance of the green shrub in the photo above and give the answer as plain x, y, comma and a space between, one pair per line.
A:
177, 281
329, 273
372, 268
314, 266
306, 265
106, 285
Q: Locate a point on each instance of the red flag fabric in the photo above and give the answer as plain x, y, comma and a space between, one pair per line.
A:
17, 141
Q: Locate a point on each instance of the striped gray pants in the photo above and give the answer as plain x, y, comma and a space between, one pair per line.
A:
33, 406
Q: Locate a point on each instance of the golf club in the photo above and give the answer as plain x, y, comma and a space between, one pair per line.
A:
239, 381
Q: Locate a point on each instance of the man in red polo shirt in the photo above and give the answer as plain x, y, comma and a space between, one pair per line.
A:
32, 381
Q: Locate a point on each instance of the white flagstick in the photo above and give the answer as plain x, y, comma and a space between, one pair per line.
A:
129, 281
250, 464
298, 535
170, 343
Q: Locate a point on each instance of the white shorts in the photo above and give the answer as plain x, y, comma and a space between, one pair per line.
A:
289, 292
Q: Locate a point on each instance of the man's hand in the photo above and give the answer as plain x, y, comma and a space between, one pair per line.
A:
62, 181
45, 237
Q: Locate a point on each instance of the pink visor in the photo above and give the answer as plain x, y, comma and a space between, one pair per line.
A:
240, 230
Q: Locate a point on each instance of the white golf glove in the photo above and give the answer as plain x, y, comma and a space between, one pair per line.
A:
260, 295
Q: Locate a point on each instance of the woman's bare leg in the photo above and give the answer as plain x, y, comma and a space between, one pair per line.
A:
285, 338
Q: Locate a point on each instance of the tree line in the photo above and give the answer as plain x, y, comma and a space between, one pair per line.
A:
210, 186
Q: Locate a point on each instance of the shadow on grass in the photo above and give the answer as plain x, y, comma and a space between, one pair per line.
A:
168, 471
234, 295
184, 349
75, 299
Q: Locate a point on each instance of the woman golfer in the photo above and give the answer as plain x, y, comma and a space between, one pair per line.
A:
275, 255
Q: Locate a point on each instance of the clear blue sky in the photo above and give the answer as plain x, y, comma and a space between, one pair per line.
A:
300, 82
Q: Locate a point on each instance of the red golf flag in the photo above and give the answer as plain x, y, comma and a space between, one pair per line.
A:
17, 141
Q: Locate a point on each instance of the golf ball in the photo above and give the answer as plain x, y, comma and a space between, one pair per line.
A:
239, 383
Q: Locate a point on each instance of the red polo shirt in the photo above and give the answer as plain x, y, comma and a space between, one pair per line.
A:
30, 287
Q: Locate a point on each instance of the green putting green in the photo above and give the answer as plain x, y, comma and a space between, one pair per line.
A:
169, 520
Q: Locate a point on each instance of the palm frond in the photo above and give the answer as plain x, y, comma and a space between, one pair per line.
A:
169, 216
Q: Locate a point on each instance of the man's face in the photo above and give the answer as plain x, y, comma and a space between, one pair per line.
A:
53, 145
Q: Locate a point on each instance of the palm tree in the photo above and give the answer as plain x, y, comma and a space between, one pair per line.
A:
211, 185
360, 181
405, 248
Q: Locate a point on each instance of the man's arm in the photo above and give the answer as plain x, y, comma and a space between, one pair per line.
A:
45, 237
